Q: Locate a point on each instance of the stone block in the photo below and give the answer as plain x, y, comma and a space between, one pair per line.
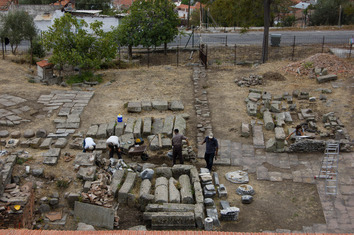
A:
163, 172
50, 161
110, 128
102, 131
186, 192
288, 118
157, 126
194, 175
77, 143
116, 181
85, 159
28, 134
180, 124
251, 108
87, 186
173, 192
327, 78
87, 173
198, 192
94, 215
213, 213
268, 120
34, 142
126, 141
119, 129
145, 187
126, 187
4, 134
199, 215
161, 190
176, 105
146, 105
147, 126
167, 143
137, 128
129, 128
279, 133
274, 107
160, 105
271, 145
258, 137
92, 131
245, 130
134, 107
178, 170
168, 126
46, 143
60, 143
54, 152
173, 220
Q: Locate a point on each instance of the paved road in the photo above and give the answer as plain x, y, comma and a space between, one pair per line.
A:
255, 38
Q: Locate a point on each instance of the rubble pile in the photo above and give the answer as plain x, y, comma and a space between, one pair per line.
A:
320, 61
252, 80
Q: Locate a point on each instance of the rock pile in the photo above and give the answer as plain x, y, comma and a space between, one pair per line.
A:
252, 80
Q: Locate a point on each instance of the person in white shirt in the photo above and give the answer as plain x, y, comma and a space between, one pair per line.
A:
113, 146
89, 145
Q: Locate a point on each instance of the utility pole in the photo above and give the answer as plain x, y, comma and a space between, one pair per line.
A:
266, 30
340, 16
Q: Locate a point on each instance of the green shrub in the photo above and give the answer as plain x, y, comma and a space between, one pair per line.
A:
87, 76
37, 49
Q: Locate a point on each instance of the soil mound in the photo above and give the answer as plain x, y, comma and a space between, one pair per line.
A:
273, 76
332, 63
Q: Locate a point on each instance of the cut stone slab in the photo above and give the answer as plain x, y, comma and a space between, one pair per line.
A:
268, 120
168, 126
134, 107
327, 78
60, 143
87, 173
176, 105
110, 128
116, 181
85, 159
146, 105
46, 143
92, 131
126, 187
186, 192
102, 131
54, 152
34, 142
173, 220
77, 143
161, 190
271, 145
237, 177
180, 124
137, 128
251, 108
160, 105
50, 161
157, 126
119, 129
129, 128
174, 194
258, 137
95, 215
147, 126
126, 141
213, 213
245, 130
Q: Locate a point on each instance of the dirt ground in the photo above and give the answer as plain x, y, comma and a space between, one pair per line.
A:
277, 204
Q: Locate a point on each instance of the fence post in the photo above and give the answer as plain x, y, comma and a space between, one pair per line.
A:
148, 57
206, 55
192, 36
235, 54
293, 53
323, 41
226, 41
177, 55
350, 50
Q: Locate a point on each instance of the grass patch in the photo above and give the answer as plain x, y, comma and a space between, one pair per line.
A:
62, 184
85, 76
20, 160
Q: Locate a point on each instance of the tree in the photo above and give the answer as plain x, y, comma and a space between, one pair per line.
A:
266, 30
73, 45
36, 2
103, 5
18, 26
150, 23
327, 12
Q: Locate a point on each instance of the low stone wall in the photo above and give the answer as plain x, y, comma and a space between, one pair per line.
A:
308, 145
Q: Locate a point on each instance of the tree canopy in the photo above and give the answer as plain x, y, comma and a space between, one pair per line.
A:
73, 45
18, 26
327, 12
150, 23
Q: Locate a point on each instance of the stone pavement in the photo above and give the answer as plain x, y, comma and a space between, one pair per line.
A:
11, 110
301, 168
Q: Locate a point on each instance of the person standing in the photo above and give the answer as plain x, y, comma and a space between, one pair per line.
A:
113, 146
211, 150
88, 144
177, 146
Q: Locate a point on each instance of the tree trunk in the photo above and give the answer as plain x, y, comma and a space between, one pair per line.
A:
165, 48
31, 52
130, 52
266, 30
189, 13
3, 51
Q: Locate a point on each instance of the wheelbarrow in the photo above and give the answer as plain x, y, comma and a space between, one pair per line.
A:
138, 150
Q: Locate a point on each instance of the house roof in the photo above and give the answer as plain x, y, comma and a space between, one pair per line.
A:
61, 3
4, 5
126, 3
43, 64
